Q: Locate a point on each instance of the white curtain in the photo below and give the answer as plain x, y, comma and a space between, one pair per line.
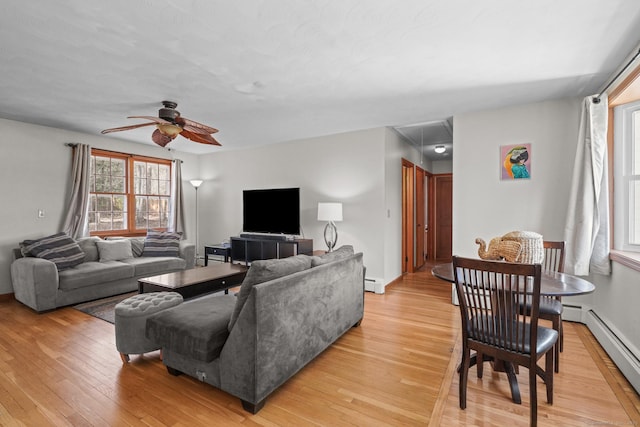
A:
75, 223
587, 226
176, 207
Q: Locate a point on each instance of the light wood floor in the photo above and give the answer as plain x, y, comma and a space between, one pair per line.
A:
396, 369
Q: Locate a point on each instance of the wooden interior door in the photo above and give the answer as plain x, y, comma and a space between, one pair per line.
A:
408, 206
442, 208
420, 218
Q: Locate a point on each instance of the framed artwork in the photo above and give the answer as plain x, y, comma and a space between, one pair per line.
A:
515, 162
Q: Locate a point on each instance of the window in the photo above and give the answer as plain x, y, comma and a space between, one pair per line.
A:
128, 194
627, 176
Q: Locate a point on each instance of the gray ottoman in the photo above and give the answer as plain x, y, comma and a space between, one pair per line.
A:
131, 319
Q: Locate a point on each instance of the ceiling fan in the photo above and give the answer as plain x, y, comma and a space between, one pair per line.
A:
170, 124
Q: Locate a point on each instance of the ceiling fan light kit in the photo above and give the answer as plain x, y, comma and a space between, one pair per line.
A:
170, 124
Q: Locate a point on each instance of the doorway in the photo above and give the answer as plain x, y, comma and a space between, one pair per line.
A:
408, 209
441, 214
427, 212
421, 229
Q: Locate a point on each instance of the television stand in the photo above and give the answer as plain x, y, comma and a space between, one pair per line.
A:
263, 236
248, 248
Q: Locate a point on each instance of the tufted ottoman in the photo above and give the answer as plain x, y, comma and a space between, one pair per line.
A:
131, 318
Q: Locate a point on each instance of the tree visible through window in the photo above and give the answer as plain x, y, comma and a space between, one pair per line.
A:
128, 194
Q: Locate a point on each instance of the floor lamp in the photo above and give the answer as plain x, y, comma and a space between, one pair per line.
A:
330, 212
196, 183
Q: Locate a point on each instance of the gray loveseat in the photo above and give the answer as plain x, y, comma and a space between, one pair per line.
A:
287, 312
39, 284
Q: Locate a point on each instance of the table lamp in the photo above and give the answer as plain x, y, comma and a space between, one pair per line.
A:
330, 212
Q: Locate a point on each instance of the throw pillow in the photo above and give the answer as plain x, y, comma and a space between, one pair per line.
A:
162, 243
114, 250
264, 270
88, 246
137, 243
341, 253
58, 248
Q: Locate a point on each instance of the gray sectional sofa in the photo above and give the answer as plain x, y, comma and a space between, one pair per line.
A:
42, 285
287, 312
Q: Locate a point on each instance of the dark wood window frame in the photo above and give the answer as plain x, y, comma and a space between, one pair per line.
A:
129, 192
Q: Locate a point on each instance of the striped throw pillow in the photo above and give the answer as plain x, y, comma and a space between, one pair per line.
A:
58, 248
162, 243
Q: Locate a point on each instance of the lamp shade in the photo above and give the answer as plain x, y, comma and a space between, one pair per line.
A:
329, 211
196, 182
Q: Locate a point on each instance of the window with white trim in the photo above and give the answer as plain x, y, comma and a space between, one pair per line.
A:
627, 176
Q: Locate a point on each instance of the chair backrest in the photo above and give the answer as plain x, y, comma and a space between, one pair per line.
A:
553, 256
489, 293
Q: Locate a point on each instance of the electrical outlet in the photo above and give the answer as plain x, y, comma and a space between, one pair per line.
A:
40, 213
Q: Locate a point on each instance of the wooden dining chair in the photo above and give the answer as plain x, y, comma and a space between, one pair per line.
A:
551, 307
494, 326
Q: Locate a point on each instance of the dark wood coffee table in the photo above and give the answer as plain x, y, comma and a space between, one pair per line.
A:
196, 281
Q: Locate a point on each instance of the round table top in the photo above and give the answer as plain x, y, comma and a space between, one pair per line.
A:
551, 284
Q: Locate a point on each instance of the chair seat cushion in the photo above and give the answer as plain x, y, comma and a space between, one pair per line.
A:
196, 329
546, 337
551, 306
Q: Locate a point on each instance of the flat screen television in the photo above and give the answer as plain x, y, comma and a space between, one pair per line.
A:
274, 211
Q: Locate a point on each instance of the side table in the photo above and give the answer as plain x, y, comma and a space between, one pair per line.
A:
221, 249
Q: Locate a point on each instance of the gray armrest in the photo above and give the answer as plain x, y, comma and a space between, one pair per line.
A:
188, 253
35, 282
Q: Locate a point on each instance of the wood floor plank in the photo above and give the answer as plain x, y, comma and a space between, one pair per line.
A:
398, 368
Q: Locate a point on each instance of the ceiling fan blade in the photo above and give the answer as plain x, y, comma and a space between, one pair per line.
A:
156, 120
160, 138
195, 126
199, 137
127, 127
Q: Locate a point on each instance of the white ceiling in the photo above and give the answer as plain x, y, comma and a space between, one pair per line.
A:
271, 71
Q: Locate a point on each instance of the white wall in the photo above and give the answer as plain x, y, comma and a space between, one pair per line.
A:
441, 166
35, 175
483, 205
347, 168
396, 149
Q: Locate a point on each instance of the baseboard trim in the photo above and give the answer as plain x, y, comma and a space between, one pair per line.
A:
624, 355
7, 297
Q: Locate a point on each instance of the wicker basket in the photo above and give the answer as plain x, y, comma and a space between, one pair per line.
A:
532, 251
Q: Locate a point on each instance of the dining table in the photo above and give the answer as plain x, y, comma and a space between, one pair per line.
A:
551, 284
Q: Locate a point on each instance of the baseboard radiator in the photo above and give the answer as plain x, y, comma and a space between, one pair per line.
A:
625, 356
372, 284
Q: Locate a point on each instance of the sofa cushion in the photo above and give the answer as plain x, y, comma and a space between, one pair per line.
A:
196, 329
92, 273
264, 270
341, 253
151, 266
58, 248
114, 250
89, 247
137, 243
162, 243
